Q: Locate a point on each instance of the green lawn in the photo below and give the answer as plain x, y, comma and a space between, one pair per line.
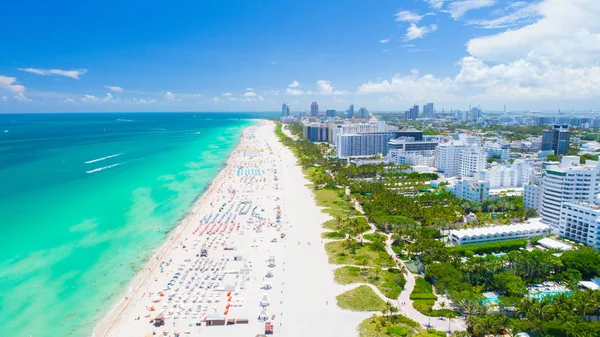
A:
367, 254
389, 281
334, 202
361, 298
342, 225
333, 235
375, 237
391, 325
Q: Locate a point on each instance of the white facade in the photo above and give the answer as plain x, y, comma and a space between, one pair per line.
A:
499, 233
470, 189
532, 193
447, 158
363, 145
422, 158
566, 182
498, 150
580, 222
471, 162
501, 176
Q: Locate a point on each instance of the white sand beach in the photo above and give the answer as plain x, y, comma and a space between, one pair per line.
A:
265, 261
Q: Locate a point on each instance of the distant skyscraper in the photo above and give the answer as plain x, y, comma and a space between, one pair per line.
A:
314, 109
330, 113
363, 112
556, 139
412, 113
351, 111
428, 110
285, 109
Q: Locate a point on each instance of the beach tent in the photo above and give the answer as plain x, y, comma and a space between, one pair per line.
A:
267, 286
263, 316
264, 301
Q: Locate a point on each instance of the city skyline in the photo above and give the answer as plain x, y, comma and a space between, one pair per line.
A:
217, 57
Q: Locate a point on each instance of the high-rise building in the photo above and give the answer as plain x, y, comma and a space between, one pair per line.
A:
428, 110
350, 111
314, 109
447, 158
363, 112
285, 109
412, 113
471, 162
556, 139
580, 222
363, 144
316, 132
566, 182
330, 113
471, 189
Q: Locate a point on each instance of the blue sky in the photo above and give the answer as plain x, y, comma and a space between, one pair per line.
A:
253, 55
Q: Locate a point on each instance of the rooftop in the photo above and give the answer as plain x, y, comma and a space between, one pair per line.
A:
553, 244
533, 224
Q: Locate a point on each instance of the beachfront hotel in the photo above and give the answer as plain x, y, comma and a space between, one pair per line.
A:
580, 222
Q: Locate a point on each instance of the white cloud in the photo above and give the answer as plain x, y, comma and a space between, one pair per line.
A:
9, 83
551, 60
325, 88
69, 100
294, 84
249, 94
217, 100
114, 88
74, 74
107, 98
408, 16
249, 89
384, 41
90, 99
435, 4
170, 97
522, 13
416, 32
458, 9
294, 92
21, 97
4, 98
227, 94
146, 101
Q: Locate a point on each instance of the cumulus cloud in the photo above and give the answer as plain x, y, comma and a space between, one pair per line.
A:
408, 16
74, 74
458, 9
325, 88
9, 83
294, 84
249, 94
415, 32
217, 100
69, 100
294, 92
90, 99
145, 101
170, 97
21, 97
384, 41
227, 94
114, 88
249, 89
551, 59
435, 4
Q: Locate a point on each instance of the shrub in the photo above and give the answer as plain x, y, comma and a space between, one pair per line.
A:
490, 247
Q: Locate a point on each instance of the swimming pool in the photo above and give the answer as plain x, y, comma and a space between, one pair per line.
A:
543, 294
493, 299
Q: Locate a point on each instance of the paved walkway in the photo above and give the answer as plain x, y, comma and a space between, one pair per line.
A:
404, 302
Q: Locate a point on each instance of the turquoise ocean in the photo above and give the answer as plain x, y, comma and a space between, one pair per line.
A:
85, 200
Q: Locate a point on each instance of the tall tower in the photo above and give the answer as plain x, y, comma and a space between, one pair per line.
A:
314, 109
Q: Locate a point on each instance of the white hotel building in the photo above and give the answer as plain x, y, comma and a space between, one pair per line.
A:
569, 181
580, 222
447, 158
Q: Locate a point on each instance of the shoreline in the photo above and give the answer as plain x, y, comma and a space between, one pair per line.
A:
107, 322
